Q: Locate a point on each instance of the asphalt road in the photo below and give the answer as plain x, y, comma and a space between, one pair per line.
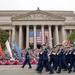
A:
17, 70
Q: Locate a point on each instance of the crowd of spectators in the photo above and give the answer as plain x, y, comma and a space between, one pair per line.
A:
33, 55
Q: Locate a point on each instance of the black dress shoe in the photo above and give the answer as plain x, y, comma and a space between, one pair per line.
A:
22, 67
69, 71
51, 72
47, 70
39, 72
65, 70
36, 70
29, 67
73, 71
55, 69
58, 72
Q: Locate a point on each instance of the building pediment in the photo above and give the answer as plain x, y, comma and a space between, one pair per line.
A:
37, 15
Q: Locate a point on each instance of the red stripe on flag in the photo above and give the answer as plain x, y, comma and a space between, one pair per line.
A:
39, 38
31, 40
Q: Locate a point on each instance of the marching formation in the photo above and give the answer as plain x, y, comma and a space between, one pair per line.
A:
54, 59
57, 58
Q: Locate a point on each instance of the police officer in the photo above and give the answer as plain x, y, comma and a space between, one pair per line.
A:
27, 59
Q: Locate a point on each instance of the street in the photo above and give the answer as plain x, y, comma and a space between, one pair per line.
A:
17, 70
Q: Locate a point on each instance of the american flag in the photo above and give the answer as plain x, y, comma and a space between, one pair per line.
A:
31, 35
39, 36
31, 40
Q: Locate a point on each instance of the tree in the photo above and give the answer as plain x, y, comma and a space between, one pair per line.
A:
3, 38
72, 37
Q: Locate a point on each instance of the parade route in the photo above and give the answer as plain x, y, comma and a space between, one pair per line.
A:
17, 70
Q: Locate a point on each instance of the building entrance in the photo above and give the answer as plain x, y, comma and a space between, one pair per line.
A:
38, 46
31, 46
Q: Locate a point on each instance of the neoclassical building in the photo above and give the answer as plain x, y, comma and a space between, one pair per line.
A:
32, 28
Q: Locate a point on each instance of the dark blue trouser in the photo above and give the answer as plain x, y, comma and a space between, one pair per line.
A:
73, 64
62, 61
25, 62
46, 63
39, 65
55, 62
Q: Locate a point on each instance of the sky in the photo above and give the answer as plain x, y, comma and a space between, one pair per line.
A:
34, 4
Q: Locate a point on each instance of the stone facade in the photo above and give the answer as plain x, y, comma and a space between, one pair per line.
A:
18, 23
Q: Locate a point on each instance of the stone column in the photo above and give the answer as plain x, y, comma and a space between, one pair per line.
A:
13, 33
56, 34
63, 34
20, 37
50, 36
10, 35
27, 36
34, 36
70, 31
43, 40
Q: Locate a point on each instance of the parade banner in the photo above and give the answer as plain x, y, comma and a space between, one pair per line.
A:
9, 49
17, 49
